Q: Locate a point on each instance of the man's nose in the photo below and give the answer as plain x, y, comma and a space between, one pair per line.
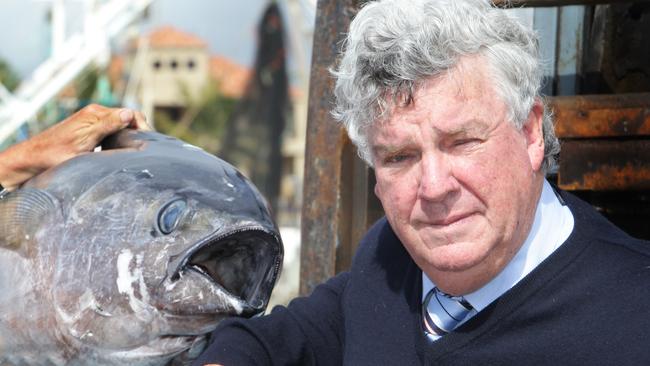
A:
436, 177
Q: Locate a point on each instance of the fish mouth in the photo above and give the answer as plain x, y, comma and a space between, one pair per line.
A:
242, 263
226, 274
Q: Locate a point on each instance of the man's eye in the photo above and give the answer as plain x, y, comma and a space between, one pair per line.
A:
397, 158
466, 142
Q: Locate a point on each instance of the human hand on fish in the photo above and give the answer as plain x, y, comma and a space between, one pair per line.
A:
80, 133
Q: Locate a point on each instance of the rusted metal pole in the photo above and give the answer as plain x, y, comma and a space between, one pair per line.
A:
546, 3
322, 228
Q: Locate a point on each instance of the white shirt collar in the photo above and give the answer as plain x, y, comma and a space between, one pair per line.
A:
552, 225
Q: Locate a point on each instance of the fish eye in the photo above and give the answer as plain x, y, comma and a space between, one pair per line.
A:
170, 215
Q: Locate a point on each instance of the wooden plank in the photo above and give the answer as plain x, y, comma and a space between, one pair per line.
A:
605, 165
611, 115
363, 206
546, 3
322, 230
356, 194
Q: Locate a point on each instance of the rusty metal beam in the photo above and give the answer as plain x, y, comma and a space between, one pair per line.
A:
605, 165
323, 230
547, 3
598, 116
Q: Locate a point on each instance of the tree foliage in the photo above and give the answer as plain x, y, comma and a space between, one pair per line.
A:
202, 122
8, 77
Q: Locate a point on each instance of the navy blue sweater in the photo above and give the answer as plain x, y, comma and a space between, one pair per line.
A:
586, 304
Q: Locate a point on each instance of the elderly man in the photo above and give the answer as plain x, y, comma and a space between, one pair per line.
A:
479, 260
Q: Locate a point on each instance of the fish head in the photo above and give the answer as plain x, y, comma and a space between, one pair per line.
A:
162, 247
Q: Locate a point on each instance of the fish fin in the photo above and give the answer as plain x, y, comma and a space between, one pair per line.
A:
20, 214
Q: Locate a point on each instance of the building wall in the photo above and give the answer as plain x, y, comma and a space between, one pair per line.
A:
168, 71
293, 154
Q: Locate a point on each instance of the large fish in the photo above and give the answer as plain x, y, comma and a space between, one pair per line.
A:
131, 256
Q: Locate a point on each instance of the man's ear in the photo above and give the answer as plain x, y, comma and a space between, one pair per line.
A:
532, 130
377, 190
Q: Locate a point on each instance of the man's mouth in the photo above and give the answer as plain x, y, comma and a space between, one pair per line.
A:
447, 221
452, 219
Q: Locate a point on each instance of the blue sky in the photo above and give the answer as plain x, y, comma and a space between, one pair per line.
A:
228, 26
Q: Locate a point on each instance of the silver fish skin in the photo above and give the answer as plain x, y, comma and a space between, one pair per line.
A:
131, 255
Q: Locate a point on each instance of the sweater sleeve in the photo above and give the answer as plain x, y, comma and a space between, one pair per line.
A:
309, 331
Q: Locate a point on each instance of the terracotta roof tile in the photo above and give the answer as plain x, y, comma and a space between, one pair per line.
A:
232, 77
169, 36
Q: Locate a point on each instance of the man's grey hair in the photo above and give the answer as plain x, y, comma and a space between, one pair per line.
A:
395, 45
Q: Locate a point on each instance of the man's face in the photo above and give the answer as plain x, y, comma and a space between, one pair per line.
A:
458, 182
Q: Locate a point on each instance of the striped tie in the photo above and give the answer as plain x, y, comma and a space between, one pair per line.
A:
442, 312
